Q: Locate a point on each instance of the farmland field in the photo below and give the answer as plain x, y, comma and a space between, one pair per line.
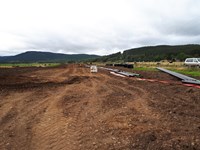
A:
175, 66
10, 65
67, 107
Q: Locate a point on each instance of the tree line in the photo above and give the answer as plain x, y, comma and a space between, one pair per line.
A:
153, 53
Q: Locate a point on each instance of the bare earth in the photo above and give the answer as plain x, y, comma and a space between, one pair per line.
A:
69, 108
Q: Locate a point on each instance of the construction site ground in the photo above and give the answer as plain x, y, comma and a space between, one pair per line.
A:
69, 108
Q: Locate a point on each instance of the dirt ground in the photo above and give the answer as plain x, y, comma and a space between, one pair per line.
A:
69, 108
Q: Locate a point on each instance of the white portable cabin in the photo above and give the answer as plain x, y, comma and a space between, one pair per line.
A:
93, 68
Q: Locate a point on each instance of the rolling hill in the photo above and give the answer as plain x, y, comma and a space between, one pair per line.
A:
34, 56
153, 53
149, 53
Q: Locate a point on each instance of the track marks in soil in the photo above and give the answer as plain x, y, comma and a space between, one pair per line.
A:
92, 111
50, 132
137, 98
64, 115
18, 121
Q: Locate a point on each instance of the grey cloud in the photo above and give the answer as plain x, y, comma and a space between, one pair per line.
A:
106, 43
147, 22
185, 27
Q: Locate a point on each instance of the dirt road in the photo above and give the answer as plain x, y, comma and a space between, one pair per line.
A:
69, 108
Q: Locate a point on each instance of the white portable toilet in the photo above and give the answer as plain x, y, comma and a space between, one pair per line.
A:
93, 68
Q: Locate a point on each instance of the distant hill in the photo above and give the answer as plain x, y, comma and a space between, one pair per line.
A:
153, 53
34, 56
149, 53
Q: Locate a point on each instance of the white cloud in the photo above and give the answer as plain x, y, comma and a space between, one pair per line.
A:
96, 26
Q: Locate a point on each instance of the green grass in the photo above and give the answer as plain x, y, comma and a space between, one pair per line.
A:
195, 72
145, 69
191, 72
29, 64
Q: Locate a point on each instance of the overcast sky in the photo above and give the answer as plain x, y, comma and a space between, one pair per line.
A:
96, 26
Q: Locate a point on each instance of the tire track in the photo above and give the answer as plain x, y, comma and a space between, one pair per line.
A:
55, 123
140, 99
94, 111
47, 133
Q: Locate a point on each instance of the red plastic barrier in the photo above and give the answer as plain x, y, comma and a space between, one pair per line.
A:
192, 85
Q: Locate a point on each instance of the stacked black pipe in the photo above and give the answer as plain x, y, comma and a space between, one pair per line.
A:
124, 65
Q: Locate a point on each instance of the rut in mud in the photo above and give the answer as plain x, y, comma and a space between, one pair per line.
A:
68, 107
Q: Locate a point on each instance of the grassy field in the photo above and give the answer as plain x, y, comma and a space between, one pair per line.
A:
10, 65
145, 68
159, 64
191, 72
175, 66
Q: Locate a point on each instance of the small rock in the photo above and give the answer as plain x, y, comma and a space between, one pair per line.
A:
192, 143
113, 138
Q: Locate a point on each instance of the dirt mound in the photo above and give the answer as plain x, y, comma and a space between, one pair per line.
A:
76, 79
25, 82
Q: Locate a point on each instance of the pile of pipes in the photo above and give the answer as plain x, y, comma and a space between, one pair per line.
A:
121, 65
184, 78
124, 73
